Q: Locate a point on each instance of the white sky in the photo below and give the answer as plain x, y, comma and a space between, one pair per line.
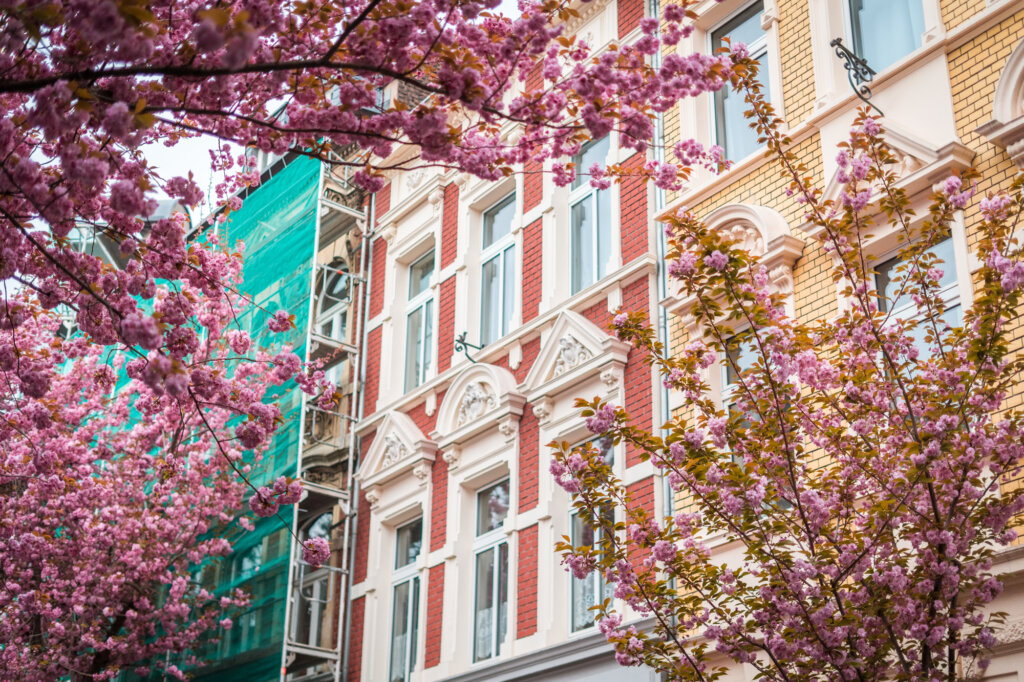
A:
194, 154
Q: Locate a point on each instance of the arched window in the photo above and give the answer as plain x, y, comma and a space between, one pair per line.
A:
332, 304
311, 626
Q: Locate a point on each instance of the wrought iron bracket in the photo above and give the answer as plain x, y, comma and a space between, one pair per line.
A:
463, 346
857, 72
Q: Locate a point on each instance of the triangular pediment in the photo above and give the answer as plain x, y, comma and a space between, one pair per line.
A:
397, 447
574, 347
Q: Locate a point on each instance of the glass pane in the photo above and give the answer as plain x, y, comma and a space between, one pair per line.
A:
884, 31
419, 274
413, 348
490, 305
742, 354
428, 339
889, 277
413, 636
491, 507
321, 528
604, 232
483, 637
502, 596
595, 151
400, 631
508, 289
408, 540
498, 220
249, 562
733, 133
582, 246
336, 290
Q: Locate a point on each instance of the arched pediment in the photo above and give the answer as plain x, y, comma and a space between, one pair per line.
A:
398, 447
574, 348
482, 396
1006, 129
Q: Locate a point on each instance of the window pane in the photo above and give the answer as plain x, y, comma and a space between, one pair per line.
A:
508, 289
884, 31
733, 133
604, 231
336, 291
484, 618
498, 220
889, 277
408, 540
419, 274
428, 340
502, 595
413, 636
400, 631
413, 348
742, 354
582, 246
491, 507
595, 151
321, 528
490, 305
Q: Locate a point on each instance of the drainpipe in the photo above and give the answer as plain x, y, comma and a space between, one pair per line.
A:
356, 407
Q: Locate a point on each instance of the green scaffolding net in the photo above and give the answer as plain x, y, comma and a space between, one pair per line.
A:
277, 223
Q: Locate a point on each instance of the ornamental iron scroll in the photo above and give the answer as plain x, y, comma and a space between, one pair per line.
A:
857, 72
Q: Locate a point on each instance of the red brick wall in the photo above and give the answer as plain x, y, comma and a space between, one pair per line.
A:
529, 460
450, 225
526, 621
533, 184
362, 548
638, 373
533, 261
630, 14
355, 659
641, 496
530, 351
446, 324
435, 613
425, 422
383, 204
535, 79
372, 389
379, 264
438, 502
633, 212
598, 314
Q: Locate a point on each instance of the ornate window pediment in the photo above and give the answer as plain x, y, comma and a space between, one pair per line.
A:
575, 349
481, 397
398, 447
1006, 129
762, 232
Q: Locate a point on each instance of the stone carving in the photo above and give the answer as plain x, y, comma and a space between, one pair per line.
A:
508, 428
373, 497
542, 409
451, 457
415, 177
394, 449
571, 353
610, 378
782, 279
421, 471
747, 237
475, 401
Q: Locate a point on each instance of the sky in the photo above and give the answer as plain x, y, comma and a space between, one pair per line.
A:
194, 154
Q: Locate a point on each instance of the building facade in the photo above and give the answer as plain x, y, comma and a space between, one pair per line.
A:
949, 79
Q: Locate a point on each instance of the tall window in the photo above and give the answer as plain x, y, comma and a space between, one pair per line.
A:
419, 333
592, 590
884, 31
741, 354
890, 276
732, 129
309, 623
490, 619
590, 218
498, 270
332, 304
405, 605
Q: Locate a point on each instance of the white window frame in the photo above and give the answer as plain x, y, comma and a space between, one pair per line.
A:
408, 573
759, 51
587, 192
424, 302
491, 541
497, 250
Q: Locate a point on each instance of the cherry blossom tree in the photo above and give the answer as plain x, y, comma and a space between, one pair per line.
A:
858, 474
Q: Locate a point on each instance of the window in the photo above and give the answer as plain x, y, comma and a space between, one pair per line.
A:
884, 31
405, 605
741, 351
419, 331
491, 559
498, 271
590, 219
890, 275
314, 592
332, 304
593, 589
732, 130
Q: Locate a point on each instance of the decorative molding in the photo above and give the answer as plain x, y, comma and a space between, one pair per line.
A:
571, 353
476, 400
421, 471
451, 456
398, 447
508, 427
542, 409
610, 378
394, 449
769, 15
372, 497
